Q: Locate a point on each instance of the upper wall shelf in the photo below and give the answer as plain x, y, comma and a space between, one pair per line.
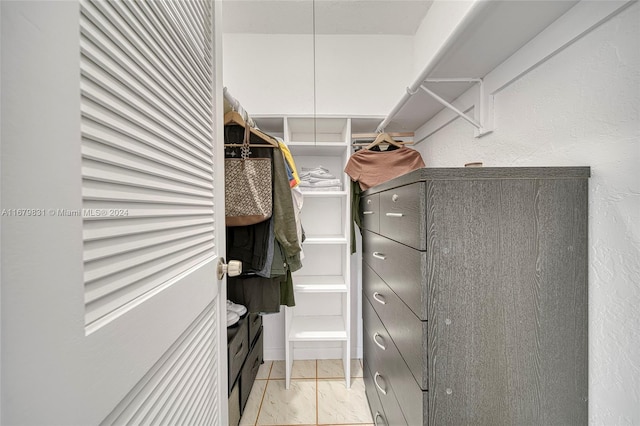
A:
489, 34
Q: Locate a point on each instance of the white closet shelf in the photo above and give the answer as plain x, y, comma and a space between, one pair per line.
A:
318, 328
324, 149
490, 33
318, 144
321, 288
325, 240
320, 280
325, 194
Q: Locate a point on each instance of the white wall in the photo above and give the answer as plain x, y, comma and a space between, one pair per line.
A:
274, 73
582, 107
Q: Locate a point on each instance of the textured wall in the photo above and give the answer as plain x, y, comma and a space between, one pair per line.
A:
582, 107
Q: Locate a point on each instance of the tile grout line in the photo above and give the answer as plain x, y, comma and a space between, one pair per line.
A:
317, 380
264, 393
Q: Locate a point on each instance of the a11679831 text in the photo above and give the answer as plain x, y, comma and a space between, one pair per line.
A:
48, 212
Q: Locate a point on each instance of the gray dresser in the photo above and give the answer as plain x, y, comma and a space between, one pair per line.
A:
475, 297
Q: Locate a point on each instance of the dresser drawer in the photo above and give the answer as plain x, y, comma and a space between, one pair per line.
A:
406, 330
402, 215
379, 381
237, 348
393, 374
401, 267
250, 370
370, 209
255, 323
376, 340
377, 412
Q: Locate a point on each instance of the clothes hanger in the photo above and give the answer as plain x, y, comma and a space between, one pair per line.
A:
383, 138
234, 117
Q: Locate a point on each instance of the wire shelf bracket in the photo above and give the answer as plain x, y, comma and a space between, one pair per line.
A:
483, 111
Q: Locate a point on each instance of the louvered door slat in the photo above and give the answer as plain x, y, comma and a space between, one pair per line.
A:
108, 155
113, 98
92, 112
181, 44
190, 27
160, 43
147, 111
104, 267
99, 63
174, 56
183, 58
134, 227
119, 292
194, 384
94, 43
150, 19
101, 249
162, 390
126, 141
198, 20
109, 172
107, 191
147, 403
128, 41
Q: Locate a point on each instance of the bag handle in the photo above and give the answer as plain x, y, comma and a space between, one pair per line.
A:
245, 150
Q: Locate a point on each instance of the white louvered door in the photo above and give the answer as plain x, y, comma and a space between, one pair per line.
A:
111, 309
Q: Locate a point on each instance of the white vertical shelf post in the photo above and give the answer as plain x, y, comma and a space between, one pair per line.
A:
322, 314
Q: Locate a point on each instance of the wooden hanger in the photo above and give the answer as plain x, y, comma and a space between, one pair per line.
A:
383, 138
233, 117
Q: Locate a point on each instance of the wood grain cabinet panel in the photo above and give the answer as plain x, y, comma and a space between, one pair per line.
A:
482, 294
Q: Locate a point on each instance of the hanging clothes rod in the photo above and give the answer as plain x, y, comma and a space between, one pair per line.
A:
476, 10
234, 104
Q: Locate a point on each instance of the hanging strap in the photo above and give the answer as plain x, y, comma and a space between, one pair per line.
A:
245, 150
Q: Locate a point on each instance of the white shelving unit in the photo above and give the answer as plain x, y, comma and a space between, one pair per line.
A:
320, 324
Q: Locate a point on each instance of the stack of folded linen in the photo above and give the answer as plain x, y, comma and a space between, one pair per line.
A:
318, 179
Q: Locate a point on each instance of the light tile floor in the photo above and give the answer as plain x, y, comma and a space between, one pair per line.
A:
317, 396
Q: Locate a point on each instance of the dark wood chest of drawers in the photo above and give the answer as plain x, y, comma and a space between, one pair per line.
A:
475, 297
244, 356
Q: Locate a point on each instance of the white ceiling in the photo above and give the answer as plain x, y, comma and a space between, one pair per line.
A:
331, 16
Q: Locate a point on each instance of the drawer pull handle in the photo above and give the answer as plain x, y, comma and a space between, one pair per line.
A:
395, 214
379, 298
367, 212
239, 351
378, 415
256, 364
375, 380
381, 346
379, 255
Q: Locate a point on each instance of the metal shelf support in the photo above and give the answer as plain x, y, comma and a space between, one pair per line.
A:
483, 120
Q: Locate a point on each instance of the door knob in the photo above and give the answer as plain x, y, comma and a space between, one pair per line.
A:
233, 268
